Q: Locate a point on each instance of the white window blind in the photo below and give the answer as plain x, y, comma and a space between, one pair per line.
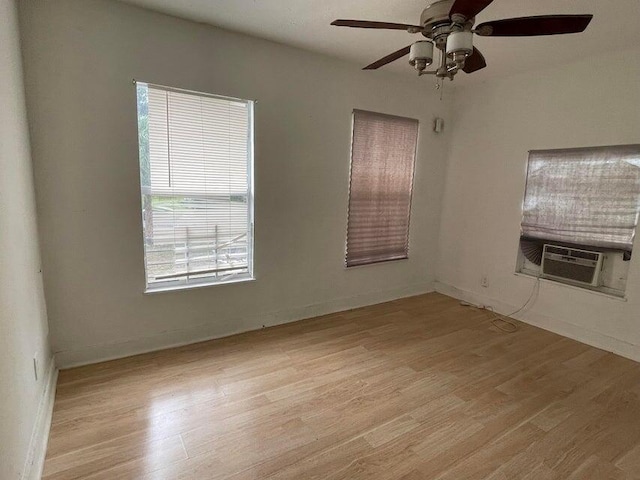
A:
195, 171
382, 164
584, 196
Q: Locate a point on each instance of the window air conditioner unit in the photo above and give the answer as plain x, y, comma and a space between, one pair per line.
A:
572, 265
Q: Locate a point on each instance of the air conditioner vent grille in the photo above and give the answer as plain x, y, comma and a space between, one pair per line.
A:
577, 273
558, 250
586, 255
572, 265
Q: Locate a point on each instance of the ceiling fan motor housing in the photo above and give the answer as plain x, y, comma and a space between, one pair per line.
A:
437, 22
436, 14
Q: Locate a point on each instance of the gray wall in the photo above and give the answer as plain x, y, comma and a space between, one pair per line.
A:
23, 318
81, 57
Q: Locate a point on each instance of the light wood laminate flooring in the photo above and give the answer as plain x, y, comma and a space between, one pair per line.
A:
415, 389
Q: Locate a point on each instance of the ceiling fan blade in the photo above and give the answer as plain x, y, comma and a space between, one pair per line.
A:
534, 26
389, 58
469, 8
380, 25
474, 62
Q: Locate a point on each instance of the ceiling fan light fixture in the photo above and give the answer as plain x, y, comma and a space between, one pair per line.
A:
459, 47
460, 43
421, 55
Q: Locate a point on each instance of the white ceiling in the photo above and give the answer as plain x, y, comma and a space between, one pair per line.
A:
306, 24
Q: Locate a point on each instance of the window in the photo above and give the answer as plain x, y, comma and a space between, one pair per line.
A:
196, 184
383, 155
587, 198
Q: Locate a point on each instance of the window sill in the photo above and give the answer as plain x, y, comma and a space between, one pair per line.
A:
612, 296
377, 262
173, 288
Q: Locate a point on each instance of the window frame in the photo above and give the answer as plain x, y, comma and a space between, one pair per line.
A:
616, 265
186, 283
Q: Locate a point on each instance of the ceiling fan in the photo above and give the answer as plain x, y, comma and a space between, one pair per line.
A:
449, 26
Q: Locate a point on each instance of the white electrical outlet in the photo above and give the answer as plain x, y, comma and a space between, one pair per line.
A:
484, 281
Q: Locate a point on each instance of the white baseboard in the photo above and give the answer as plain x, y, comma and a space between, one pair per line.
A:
175, 338
40, 435
552, 324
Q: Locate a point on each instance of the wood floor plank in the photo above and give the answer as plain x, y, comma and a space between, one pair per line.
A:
417, 388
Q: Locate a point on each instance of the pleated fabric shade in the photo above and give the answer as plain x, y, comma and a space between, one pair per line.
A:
383, 156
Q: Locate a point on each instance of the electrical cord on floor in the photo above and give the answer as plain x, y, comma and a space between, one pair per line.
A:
499, 321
